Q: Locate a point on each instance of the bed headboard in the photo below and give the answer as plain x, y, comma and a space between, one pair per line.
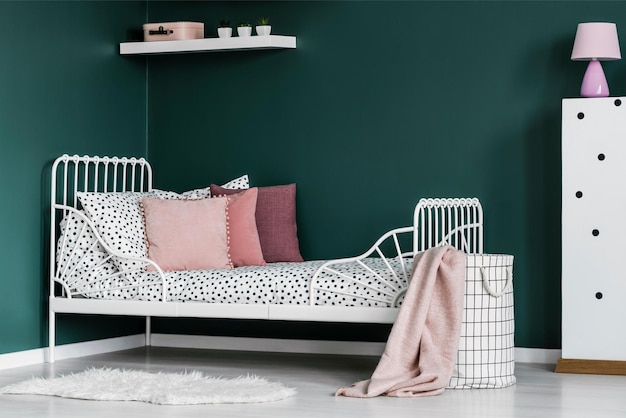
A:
72, 174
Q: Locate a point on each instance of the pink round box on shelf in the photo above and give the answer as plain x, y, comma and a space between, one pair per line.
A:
173, 31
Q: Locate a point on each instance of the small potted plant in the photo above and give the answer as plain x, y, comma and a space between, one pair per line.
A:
224, 31
263, 28
244, 29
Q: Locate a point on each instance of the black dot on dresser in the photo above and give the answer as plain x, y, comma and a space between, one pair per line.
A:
601, 157
617, 102
595, 232
599, 295
580, 115
579, 194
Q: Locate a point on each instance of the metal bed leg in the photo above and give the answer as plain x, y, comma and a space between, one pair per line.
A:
51, 335
148, 331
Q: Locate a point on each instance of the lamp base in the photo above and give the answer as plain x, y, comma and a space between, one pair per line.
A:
594, 81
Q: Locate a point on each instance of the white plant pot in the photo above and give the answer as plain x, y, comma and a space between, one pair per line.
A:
224, 32
244, 30
263, 30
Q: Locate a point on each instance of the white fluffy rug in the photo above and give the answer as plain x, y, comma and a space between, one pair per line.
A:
189, 388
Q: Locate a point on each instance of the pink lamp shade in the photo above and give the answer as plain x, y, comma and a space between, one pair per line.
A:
595, 41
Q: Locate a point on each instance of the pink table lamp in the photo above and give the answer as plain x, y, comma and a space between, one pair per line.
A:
594, 42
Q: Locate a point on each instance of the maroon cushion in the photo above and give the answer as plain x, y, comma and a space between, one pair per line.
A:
275, 221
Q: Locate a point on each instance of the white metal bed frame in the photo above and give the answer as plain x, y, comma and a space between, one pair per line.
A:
456, 222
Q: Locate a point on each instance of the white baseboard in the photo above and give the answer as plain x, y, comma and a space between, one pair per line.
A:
65, 351
522, 355
276, 345
537, 355
89, 348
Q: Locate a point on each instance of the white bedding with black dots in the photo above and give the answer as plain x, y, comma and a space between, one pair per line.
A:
275, 283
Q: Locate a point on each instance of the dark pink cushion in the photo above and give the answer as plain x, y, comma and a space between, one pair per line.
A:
275, 221
244, 244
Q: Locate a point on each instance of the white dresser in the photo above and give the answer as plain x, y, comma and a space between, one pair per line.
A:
594, 236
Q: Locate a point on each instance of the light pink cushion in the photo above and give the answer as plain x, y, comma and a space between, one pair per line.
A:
275, 221
187, 234
245, 247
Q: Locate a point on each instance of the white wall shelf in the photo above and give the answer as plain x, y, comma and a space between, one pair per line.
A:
208, 45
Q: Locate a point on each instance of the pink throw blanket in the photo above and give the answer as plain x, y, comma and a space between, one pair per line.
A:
421, 351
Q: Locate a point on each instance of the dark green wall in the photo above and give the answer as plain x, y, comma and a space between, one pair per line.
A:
65, 89
383, 103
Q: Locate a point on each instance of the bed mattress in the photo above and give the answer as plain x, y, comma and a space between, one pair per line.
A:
275, 283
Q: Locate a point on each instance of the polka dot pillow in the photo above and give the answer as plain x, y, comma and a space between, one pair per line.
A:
79, 253
239, 183
118, 219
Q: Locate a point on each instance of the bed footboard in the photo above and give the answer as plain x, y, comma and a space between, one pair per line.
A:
454, 221
380, 287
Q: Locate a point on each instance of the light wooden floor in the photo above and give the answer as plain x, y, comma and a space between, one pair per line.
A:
538, 393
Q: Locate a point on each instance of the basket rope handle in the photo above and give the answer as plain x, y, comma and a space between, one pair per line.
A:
487, 285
